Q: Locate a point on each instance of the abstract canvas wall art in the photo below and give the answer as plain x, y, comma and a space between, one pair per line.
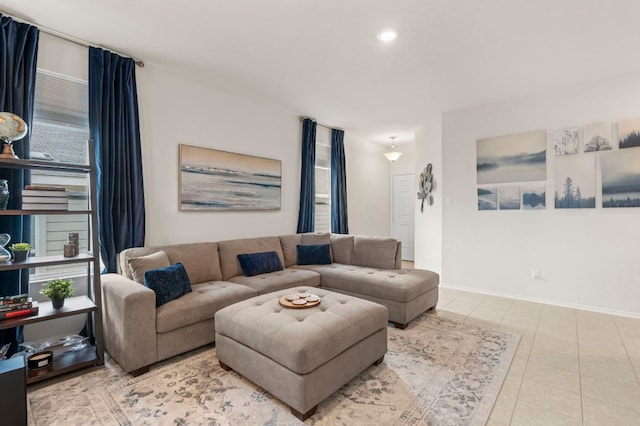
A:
621, 179
211, 179
514, 158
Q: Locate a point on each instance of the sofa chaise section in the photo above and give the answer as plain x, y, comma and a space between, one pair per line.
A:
375, 274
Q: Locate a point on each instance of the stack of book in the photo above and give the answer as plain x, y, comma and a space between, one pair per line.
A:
38, 197
19, 305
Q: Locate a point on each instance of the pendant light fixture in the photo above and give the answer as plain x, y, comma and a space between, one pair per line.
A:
392, 155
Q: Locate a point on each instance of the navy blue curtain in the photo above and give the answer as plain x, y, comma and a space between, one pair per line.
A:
307, 177
339, 222
18, 55
114, 127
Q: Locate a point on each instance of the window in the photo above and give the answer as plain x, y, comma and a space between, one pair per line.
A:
59, 134
323, 180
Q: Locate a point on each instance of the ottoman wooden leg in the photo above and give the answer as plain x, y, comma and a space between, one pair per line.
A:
305, 416
224, 366
377, 362
398, 325
139, 371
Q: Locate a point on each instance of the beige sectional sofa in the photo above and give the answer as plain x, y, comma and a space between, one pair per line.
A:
137, 334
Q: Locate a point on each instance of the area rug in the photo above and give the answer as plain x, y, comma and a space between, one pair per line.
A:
436, 372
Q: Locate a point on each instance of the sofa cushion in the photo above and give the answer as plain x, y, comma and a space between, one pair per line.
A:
342, 248
265, 283
229, 251
402, 285
315, 254
168, 283
199, 259
289, 248
375, 252
259, 263
201, 304
139, 265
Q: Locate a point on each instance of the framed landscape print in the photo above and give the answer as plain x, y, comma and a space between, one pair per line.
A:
621, 179
514, 158
566, 141
509, 198
575, 182
534, 197
597, 137
488, 198
211, 179
628, 133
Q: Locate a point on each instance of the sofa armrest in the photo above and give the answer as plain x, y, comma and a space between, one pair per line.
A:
129, 318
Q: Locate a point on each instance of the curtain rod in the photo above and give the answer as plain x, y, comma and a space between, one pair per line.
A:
72, 39
302, 117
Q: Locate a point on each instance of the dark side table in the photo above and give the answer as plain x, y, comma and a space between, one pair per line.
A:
13, 392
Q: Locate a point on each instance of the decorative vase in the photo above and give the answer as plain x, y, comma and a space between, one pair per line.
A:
20, 256
4, 194
57, 302
5, 256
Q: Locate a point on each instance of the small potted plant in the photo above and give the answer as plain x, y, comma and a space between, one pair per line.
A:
20, 251
57, 290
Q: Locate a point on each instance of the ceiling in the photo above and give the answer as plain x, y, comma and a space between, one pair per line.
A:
322, 58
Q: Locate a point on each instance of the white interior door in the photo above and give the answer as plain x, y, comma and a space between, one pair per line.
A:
402, 213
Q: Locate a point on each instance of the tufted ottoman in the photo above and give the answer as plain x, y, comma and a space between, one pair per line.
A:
301, 356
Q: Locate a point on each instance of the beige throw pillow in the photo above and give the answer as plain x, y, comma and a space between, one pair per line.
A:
315, 239
375, 252
140, 265
342, 248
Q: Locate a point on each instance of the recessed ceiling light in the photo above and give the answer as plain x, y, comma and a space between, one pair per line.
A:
387, 35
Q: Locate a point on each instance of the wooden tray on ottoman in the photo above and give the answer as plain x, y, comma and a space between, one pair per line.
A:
289, 303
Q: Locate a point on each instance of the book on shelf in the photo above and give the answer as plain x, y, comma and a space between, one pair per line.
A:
33, 310
44, 194
16, 298
16, 306
45, 206
42, 200
43, 188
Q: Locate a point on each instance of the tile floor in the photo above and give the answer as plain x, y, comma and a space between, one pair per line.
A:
571, 367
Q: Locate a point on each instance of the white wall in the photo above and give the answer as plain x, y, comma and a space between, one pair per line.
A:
63, 57
406, 163
428, 238
586, 258
174, 110
367, 186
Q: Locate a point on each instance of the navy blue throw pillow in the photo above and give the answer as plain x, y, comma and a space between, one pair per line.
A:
259, 263
315, 254
169, 283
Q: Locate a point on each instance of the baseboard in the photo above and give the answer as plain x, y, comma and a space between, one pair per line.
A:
589, 308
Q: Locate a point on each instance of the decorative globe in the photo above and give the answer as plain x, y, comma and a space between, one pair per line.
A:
12, 128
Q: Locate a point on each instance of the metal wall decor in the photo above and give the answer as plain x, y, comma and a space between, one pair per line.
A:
426, 186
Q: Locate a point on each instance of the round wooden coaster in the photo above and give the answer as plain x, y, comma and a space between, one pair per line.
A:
287, 304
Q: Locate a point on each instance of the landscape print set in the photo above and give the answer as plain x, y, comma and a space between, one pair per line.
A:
512, 170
